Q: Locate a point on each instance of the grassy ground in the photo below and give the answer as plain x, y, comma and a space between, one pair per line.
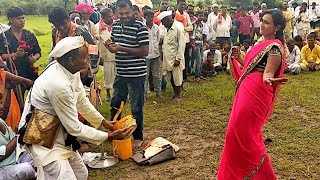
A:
198, 125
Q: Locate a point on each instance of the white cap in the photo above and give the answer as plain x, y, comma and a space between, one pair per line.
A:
164, 14
66, 45
263, 5
215, 5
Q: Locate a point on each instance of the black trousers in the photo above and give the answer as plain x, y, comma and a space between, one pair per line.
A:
187, 58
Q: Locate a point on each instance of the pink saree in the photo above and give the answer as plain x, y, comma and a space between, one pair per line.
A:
244, 155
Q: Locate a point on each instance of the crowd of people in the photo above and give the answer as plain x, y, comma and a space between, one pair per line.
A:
141, 50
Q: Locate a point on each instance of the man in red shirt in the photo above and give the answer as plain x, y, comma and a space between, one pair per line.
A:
163, 7
245, 26
238, 11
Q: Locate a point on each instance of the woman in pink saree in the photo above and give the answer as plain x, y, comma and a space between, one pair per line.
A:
244, 155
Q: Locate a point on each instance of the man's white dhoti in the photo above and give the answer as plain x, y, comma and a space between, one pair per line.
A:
72, 168
109, 73
176, 75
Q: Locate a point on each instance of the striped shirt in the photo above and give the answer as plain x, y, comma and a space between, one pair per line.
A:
134, 35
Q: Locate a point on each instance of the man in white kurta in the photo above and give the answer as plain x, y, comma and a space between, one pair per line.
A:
59, 91
108, 58
173, 52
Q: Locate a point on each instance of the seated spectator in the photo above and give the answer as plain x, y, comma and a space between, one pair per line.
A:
246, 45
217, 60
10, 169
316, 42
208, 69
299, 42
310, 55
293, 59
224, 52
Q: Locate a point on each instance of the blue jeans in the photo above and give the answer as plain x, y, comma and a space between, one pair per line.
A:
198, 59
135, 88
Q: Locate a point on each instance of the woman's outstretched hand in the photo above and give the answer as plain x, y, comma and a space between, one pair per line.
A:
275, 81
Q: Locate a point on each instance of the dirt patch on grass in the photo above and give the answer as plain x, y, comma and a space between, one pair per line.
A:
195, 159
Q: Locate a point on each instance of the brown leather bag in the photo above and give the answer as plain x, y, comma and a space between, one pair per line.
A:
42, 129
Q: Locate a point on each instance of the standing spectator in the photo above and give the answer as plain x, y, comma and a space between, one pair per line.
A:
211, 18
246, 25
310, 55
206, 27
313, 14
188, 28
289, 18
264, 8
23, 46
130, 42
208, 69
235, 27
238, 10
106, 57
222, 26
217, 60
86, 11
153, 58
303, 23
197, 39
64, 27
173, 50
163, 7
293, 59
75, 17
137, 14
255, 15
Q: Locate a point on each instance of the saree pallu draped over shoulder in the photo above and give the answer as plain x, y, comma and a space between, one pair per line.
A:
244, 155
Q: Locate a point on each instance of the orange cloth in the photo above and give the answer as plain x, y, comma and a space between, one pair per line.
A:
13, 116
179, 17
155, 18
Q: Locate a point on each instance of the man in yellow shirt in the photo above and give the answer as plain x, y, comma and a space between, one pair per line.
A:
310, 55
288, 16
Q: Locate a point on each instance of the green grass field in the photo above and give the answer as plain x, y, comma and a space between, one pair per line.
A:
198, 125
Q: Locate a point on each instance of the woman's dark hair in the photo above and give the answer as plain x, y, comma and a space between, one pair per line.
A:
123, 3
278, 20
15, 12
58, 15
146, 7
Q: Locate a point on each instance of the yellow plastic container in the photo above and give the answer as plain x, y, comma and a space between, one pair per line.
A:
122, 149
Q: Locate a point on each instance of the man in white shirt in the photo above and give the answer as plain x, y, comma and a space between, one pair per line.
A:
173, 53
222, 25
217, 62
106, 57
188, 28
255, 15
211, 18
153, 58
293, 59
313, 15
58, 91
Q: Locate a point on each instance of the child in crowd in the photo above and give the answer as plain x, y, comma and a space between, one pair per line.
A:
196, 40
224, 49
208, 69
246, 45
217, 60
234, 28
